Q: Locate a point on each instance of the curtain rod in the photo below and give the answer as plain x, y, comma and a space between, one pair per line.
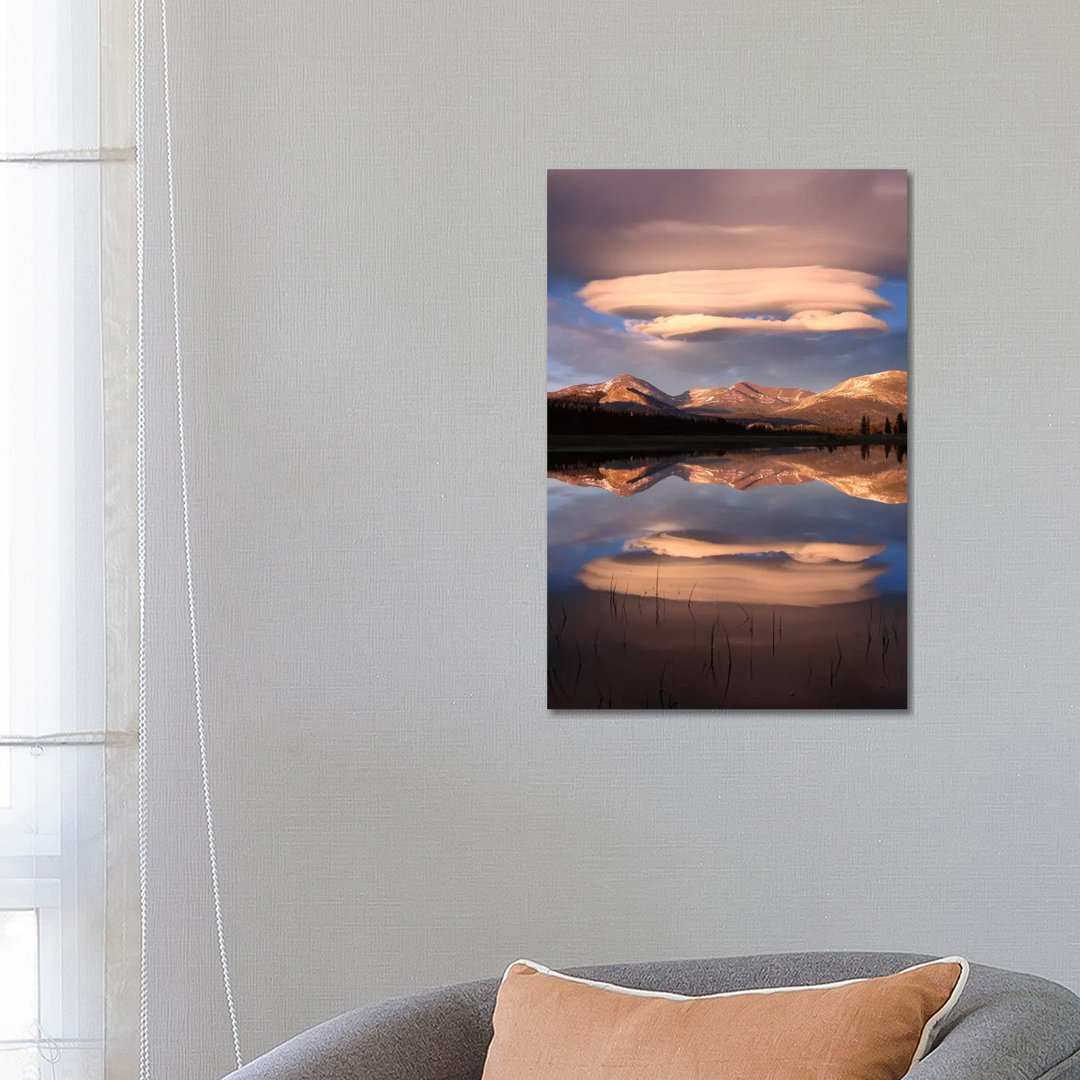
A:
70, 738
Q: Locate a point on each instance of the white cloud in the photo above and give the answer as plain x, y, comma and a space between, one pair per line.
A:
682, 327
769, 290
586, 354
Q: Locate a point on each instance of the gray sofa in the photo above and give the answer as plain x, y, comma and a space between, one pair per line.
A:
1006, 1026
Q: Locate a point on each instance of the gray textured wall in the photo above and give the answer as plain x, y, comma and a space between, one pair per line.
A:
362, 257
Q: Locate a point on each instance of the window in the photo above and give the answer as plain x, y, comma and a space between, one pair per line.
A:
52, 579
19, 961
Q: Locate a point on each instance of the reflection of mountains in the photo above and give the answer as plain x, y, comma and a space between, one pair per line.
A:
877, 476
702, 568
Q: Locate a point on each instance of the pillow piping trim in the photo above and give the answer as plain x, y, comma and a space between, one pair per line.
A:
931, 1025
922, 1048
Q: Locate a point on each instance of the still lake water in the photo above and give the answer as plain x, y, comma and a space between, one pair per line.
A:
760, 579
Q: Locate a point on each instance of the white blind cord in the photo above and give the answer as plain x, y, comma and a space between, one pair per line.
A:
140, 455
211, 847
140, 213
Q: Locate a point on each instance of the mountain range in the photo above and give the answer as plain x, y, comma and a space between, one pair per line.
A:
879, 397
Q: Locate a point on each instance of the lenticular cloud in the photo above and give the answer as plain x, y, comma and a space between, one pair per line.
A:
756, 300
684, 327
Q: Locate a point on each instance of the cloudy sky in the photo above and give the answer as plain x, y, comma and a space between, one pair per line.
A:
708, 277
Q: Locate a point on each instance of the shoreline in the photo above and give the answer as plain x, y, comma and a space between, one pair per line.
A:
567, 443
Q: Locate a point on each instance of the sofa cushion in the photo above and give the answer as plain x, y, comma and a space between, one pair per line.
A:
552, 1026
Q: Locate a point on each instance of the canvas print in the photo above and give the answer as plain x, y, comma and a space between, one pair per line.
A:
728, 439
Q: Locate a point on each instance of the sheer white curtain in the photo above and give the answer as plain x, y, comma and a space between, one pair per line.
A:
54, 737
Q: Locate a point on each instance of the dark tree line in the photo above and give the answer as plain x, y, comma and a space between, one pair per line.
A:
587, 419
891, 427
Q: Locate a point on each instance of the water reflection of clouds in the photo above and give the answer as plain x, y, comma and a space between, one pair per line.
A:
803, 551
774, 572
805, 544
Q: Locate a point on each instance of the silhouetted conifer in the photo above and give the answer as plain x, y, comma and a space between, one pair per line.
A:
588, 419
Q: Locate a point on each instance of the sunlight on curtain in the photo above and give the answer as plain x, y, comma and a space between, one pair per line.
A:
52, 547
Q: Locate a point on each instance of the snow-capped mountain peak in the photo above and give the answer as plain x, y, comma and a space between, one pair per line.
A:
878, 396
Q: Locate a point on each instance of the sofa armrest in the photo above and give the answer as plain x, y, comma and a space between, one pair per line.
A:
438, 1035
1007, 1027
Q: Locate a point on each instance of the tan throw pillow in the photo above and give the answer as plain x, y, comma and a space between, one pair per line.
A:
550, 1026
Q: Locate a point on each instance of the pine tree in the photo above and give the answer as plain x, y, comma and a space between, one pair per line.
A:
888, 426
